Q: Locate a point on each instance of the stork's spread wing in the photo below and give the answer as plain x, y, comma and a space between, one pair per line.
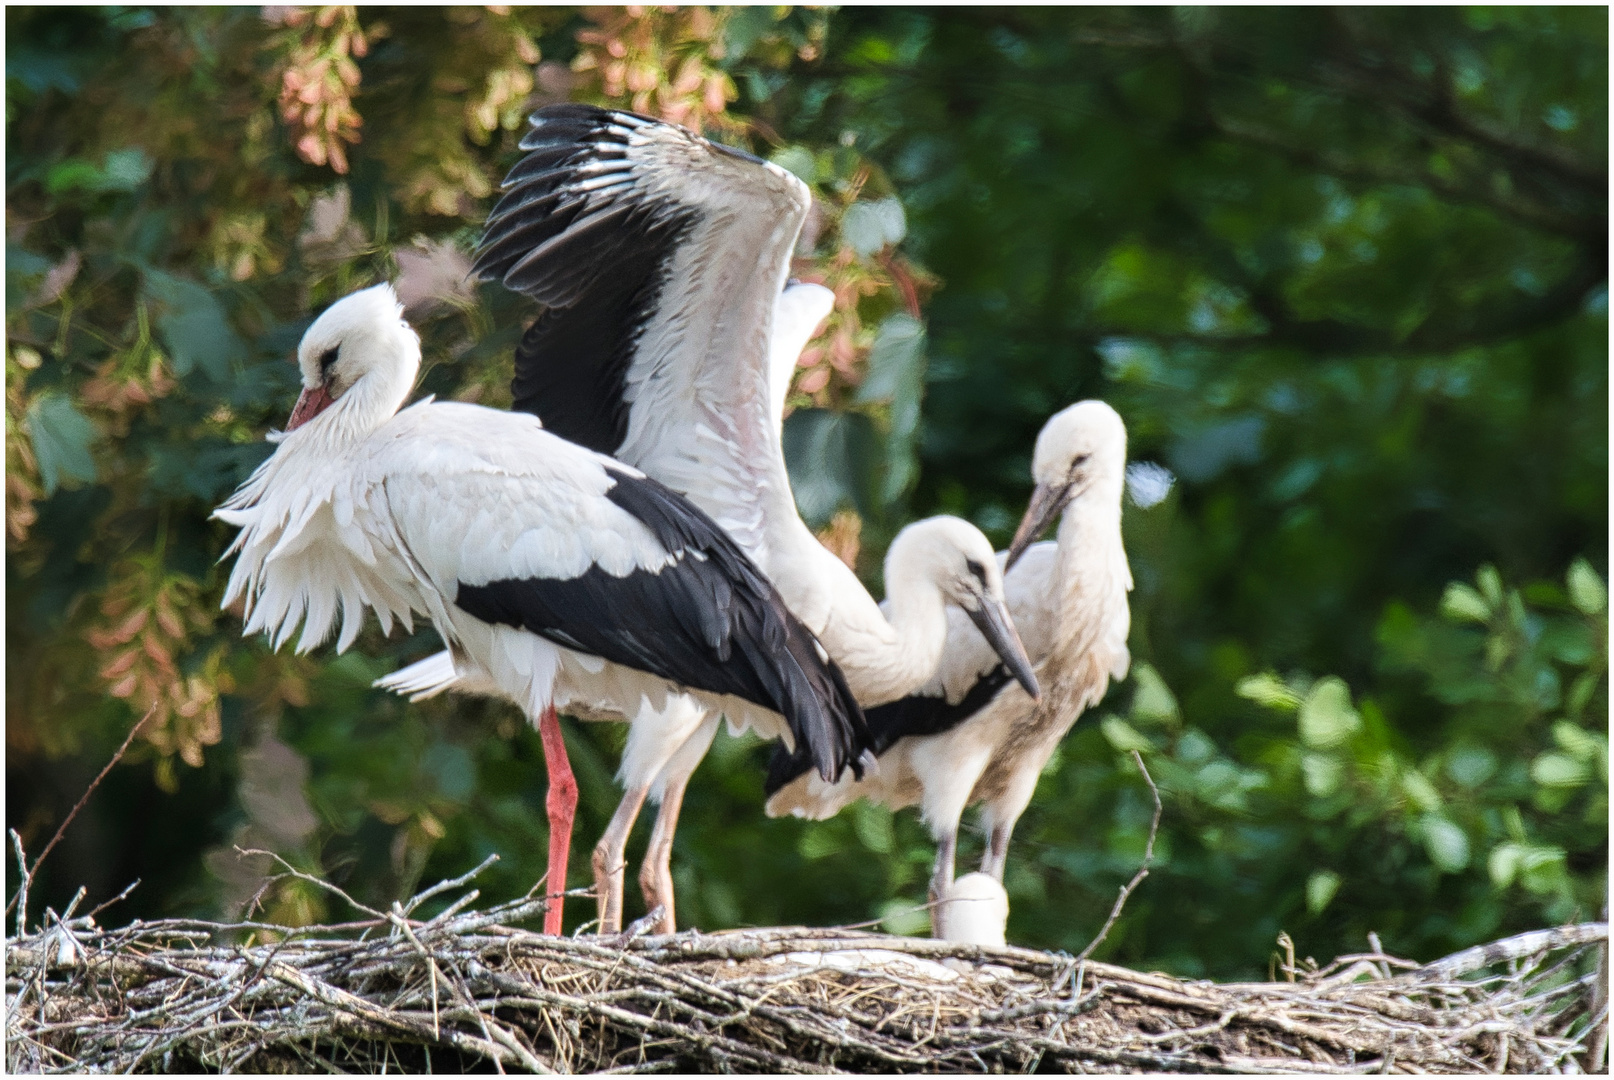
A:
658, 258
523, 529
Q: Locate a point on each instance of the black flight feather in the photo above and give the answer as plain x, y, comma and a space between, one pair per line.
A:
916, 714
574, 233
710, 621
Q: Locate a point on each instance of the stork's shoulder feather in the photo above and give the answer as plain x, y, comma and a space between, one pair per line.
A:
478, 495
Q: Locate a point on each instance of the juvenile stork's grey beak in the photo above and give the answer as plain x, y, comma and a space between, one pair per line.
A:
1046, 503
992, 619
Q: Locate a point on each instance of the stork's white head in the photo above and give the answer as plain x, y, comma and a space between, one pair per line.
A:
953, 557
359, 355
1081, 454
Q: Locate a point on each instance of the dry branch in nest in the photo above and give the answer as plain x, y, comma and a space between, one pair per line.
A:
470, 990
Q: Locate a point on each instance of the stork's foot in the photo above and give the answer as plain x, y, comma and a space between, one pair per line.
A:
608, 888
655, 881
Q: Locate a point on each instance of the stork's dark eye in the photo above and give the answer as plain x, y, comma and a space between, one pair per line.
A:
1078, 462
327, 358
977, 569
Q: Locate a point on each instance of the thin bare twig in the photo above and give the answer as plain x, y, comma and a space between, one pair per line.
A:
292, 871
73, 813
1143, 868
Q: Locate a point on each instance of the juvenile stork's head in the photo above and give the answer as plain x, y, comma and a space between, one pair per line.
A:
358, 361
1081, 451
955, 558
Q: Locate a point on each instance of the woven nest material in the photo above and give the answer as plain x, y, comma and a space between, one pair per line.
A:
469, 991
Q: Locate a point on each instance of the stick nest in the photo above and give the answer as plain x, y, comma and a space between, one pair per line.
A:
470, 991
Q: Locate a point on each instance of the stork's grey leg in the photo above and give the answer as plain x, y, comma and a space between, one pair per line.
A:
610, 859
941, 878
997, 848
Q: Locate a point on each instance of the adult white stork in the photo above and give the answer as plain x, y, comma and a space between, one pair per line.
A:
660, 260
555, 575
970, 735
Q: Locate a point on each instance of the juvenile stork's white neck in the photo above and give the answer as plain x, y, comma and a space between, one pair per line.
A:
931, 563
1080, 472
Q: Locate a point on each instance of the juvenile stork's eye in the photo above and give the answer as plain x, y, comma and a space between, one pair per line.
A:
327, 358
977, 569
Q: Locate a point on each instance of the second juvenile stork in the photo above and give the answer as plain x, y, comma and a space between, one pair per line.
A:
970, 736
660, 261
555, 575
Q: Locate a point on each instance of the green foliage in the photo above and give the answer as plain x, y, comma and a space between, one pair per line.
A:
1344, 271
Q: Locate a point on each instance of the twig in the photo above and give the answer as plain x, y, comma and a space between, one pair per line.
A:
108, 903
21, 895
73, 813
292, 871
1513, 948
1143, 868
453, 883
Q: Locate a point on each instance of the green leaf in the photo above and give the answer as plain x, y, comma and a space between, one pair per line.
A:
1446, 844
1503, 864
1153, 702
1471, 766
1581, 691
1320, 890
1559, 770
873, 827
193, 326
1326, 716
61, 436
1584, 745
1267, 690
1541, 868
1420, 791
125, 170
869, 227
1461, 602
121, 170
896, 377
1322, 774
904, 917
829, 456
1586, 589
1490, 583
796, 159
1124, 737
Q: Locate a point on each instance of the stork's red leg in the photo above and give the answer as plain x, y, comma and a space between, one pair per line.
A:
561, 803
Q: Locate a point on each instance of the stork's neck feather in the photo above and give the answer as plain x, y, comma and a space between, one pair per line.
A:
390, 364
915, 631
1093, 579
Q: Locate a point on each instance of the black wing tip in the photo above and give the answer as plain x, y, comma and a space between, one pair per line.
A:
783, 767
811, 694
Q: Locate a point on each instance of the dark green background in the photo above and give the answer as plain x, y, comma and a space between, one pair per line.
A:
1343, 271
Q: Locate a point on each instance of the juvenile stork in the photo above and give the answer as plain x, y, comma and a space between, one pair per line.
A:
556, 576
970, 735
660, 261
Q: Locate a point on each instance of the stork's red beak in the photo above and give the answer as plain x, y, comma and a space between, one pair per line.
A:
310, 403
